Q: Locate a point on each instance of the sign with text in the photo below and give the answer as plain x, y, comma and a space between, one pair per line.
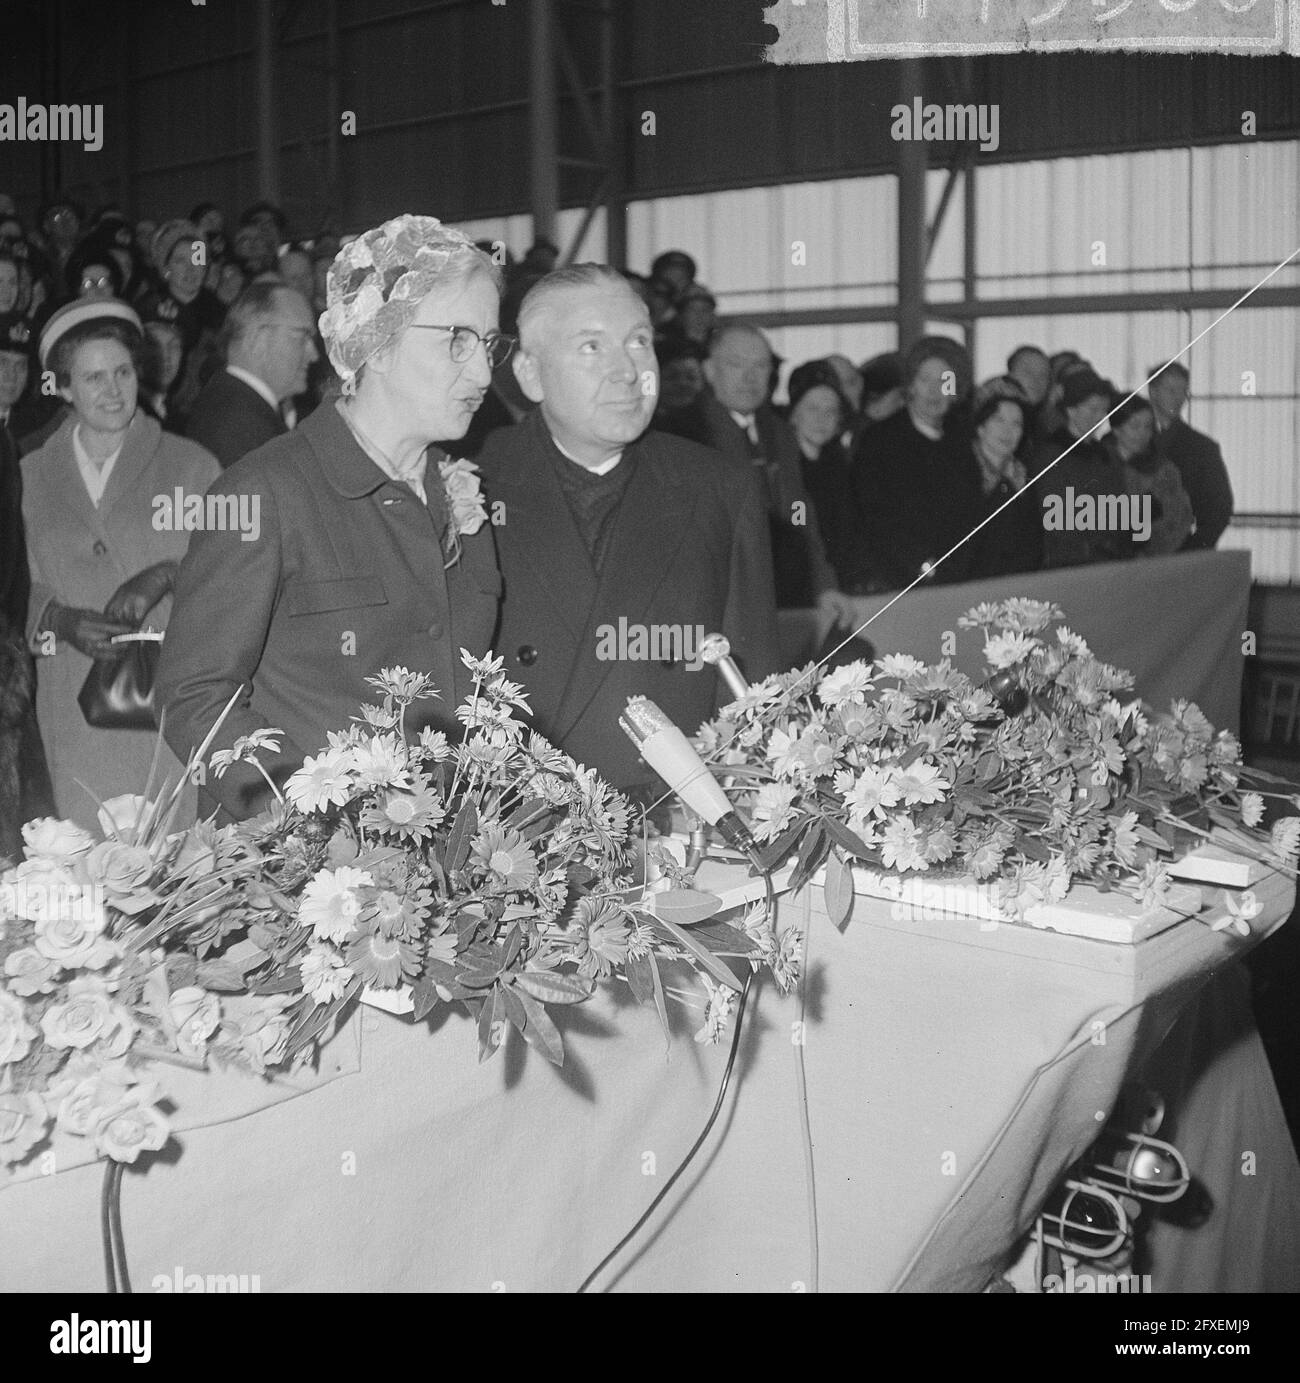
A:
852, 30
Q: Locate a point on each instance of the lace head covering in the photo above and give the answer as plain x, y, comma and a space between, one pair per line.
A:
377, 283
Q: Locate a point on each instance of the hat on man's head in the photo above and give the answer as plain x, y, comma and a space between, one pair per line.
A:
167, 237
376, 285
1083, 384
16, 335
77, 313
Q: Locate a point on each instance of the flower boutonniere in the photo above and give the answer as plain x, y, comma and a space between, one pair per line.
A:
460, 482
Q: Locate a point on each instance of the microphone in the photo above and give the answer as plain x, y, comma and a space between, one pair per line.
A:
716, 649
673, 758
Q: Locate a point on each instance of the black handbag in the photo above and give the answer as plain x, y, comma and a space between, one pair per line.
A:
118, 692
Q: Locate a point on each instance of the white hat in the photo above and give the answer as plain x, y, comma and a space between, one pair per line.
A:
79, 312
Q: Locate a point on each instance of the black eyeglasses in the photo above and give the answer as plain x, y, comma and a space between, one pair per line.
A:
464, 342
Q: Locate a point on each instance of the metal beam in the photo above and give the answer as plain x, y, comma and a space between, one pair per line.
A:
612, 47
268, 139
544, 173
911, 215
1193, 300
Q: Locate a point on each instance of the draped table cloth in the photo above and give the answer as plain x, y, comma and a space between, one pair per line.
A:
952, 1072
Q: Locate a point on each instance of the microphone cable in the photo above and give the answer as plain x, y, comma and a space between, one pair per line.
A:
709, 1123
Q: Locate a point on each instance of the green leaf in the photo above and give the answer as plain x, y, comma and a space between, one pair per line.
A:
515, 1011
811, 853
493, 1011
661, 1004
848, 841
720, 936
514, 944
461, 835
775, 853
425, 997
838, 890
540, 1032
226, 977
552, 988
686, 905
641, 971
708, 961
320, 1017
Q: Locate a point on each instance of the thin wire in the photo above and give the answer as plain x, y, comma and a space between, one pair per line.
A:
704, 1132
805, 1118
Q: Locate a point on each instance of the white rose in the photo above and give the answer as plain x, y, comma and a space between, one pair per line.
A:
56, 840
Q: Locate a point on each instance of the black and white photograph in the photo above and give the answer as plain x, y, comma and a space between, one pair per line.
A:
650, 647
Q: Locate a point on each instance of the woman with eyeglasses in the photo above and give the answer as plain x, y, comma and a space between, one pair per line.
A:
368, 545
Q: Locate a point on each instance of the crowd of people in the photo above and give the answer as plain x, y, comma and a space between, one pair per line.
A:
141, 360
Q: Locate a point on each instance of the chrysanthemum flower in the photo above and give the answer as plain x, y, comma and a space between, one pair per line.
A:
600, 934
1252, 808
1285, 837
920, 783
323, 781
872, 794
381, 761
408, 815
383, 961
330, 904
506, 854
848, 683
324, 976
773, 809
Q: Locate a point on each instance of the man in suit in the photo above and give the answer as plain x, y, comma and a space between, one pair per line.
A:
619, 547
270, 345
1198, 458
360, 561
734, 416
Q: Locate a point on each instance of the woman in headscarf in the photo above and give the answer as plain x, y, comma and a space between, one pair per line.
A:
100, 564
374, 549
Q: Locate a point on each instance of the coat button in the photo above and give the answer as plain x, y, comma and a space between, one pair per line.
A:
527, 655
99, 549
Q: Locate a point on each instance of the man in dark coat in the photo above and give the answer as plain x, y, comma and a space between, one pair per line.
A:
270, 345
734, 417
24, 776
619, 547
359, 559
1198, 458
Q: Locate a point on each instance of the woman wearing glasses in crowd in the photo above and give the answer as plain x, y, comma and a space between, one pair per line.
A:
365, 545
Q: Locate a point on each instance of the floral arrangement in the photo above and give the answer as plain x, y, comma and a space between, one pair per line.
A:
493, 873
1030, 780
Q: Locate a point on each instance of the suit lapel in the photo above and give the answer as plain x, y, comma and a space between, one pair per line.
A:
137, 452
540, 527
67, 488
652, 523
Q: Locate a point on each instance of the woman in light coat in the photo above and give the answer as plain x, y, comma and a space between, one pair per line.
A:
101, 547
